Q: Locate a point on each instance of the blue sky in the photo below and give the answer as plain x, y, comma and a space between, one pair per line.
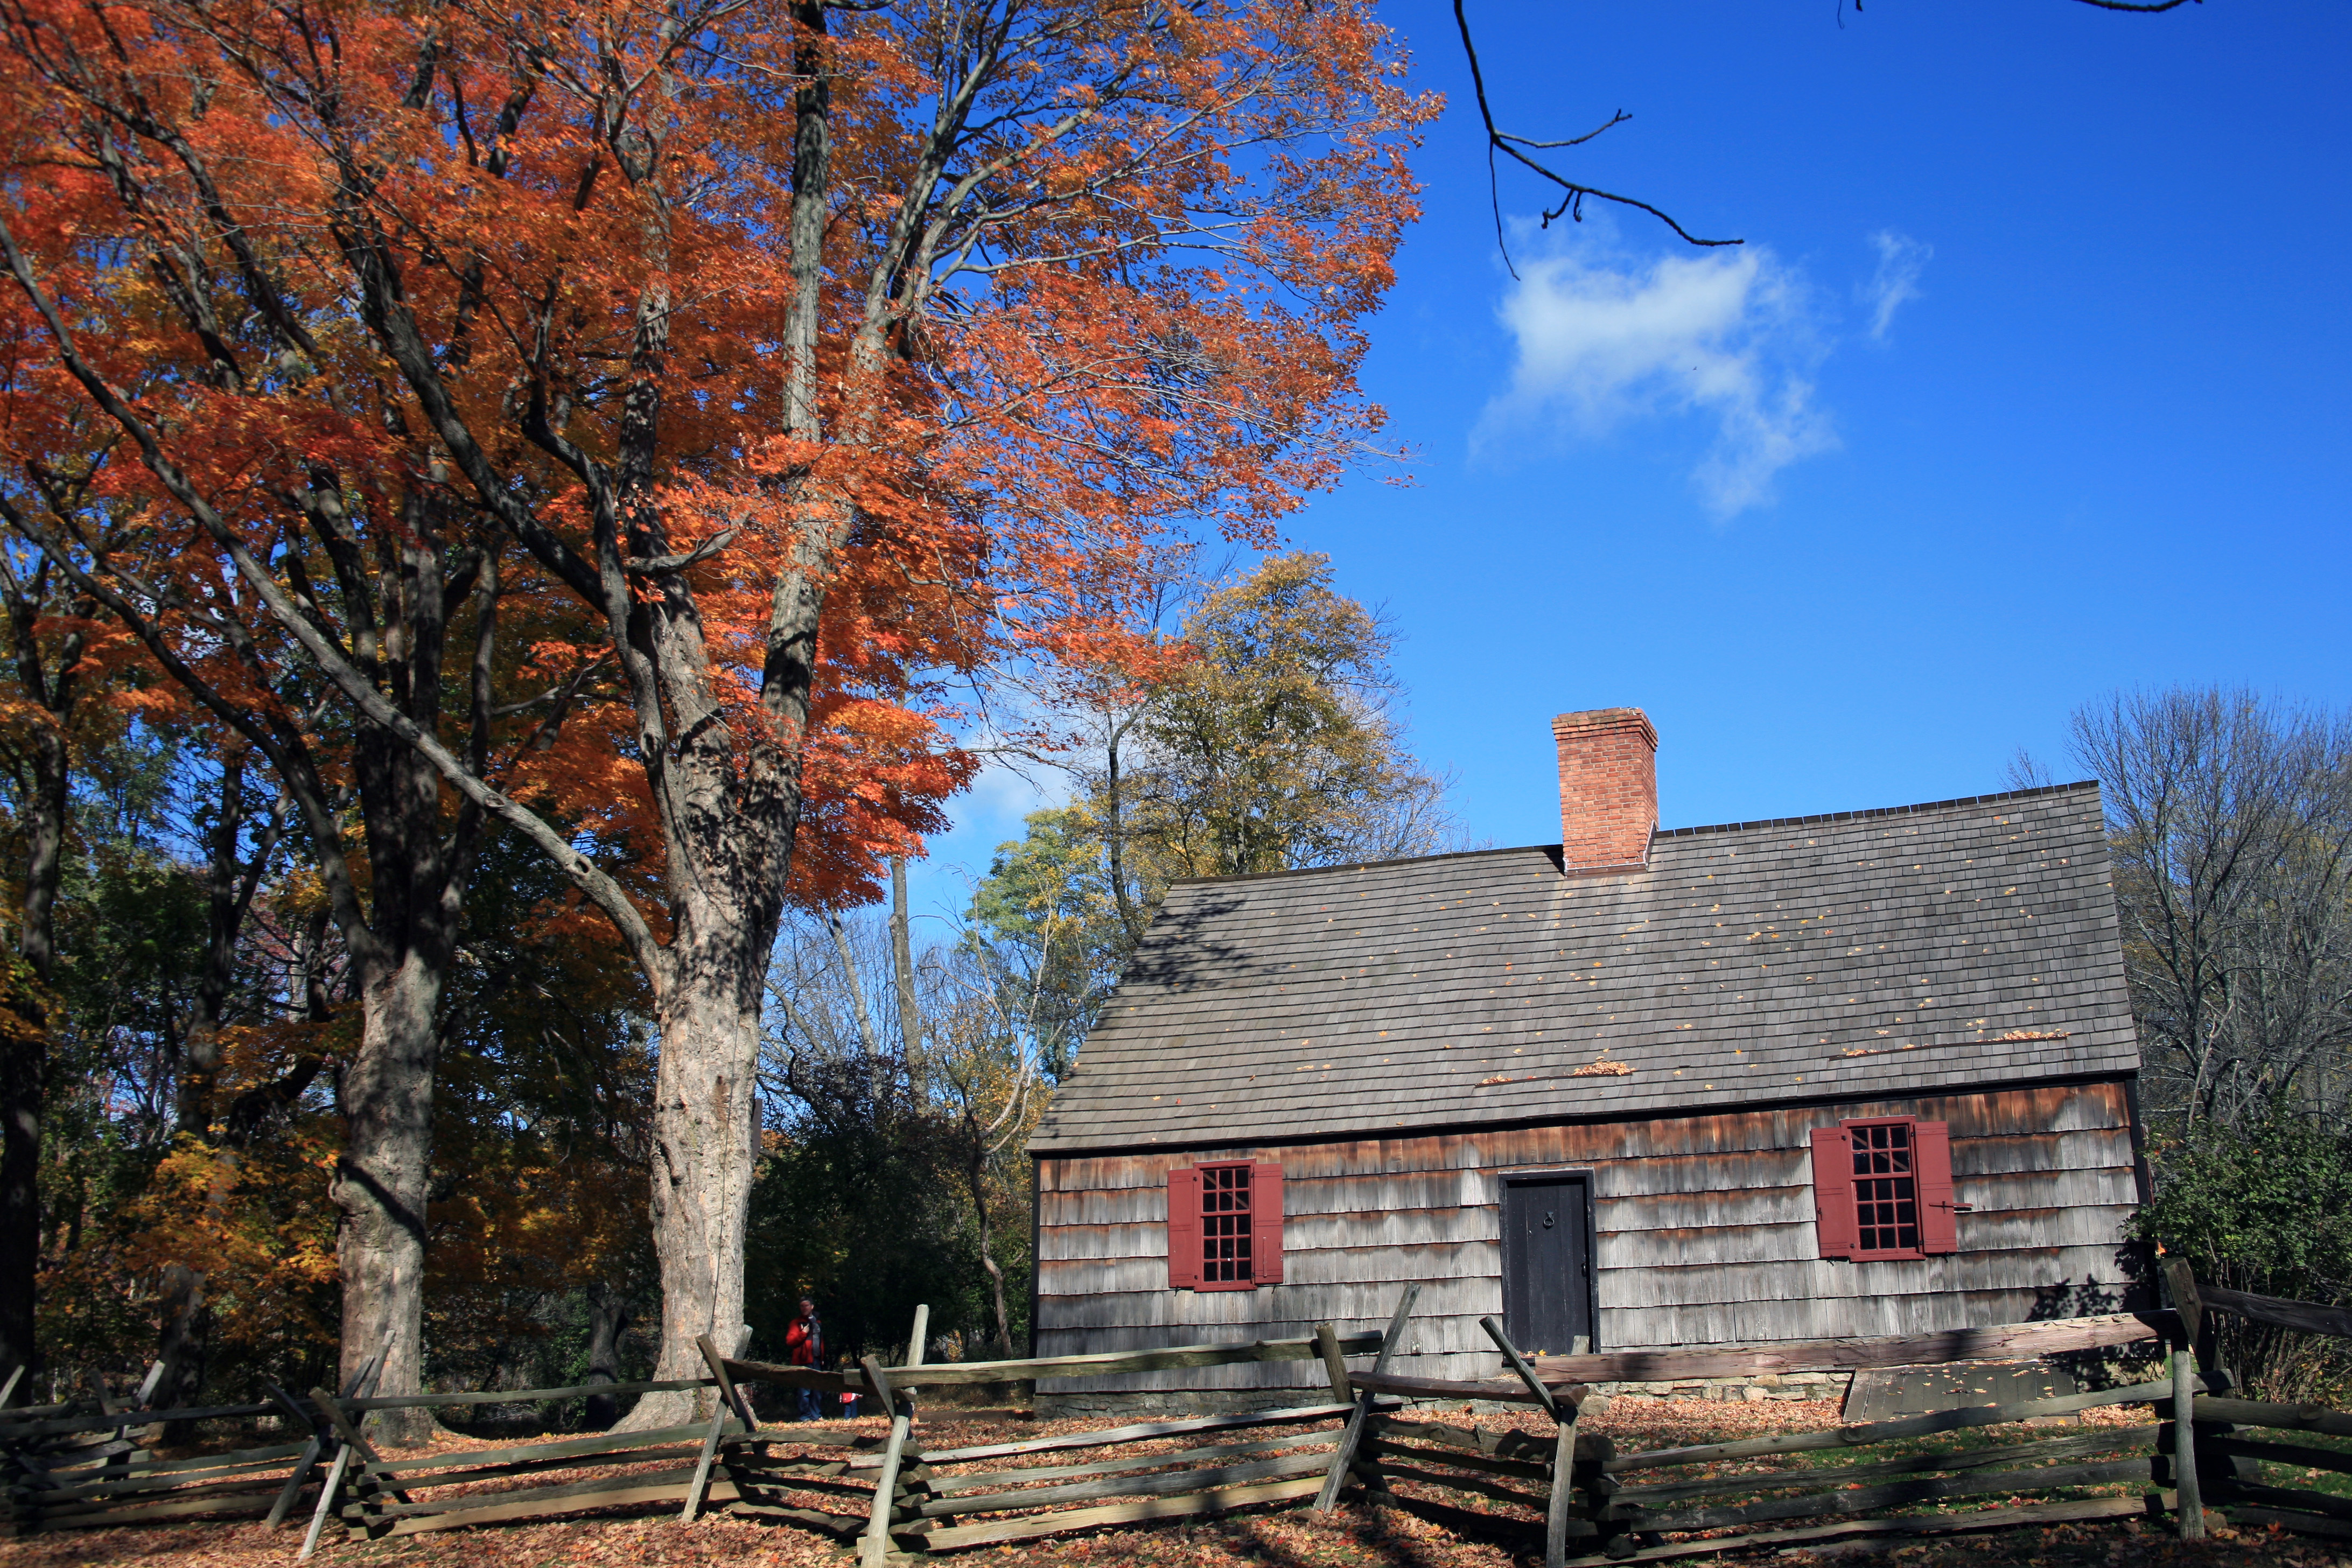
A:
2030, 383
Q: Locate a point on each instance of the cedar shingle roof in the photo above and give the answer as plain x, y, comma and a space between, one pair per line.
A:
1807, 959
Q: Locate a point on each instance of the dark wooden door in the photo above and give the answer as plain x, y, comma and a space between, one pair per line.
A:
1547, 1262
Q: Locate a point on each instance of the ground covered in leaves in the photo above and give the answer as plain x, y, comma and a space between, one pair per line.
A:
1285, 1537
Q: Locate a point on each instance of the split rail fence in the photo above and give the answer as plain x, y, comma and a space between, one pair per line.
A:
82, 1466
1587, 1503
2294, 1436
1374, 1437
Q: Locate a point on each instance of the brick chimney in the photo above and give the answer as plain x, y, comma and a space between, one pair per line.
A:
1608, 788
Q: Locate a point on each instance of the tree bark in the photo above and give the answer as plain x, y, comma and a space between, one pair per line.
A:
381, 1181
608, 1319
976, 1174
24, 1064
705, 1150
24, 1054
181, 1345
24, 1077
902, 960
44, 844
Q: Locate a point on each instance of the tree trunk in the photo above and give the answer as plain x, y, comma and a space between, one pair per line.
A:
24, 1064
381, 1179
45, 844
24, 1054
876, 1079
705, 1150
608, 1319
1131, 920
180, 1345
976, 1172
902, 962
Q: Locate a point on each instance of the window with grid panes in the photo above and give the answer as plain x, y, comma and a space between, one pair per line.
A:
1224, 1224
1882, 1189
1885, 1187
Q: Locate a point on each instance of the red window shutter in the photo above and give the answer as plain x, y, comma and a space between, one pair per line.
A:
1939, 1230
1833, 1190
1266, 1225
1184, 1229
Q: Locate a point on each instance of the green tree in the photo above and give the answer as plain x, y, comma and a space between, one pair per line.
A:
857, 1207
1045, 929
178, 1183
1276, 746
2265, 1207
1268, 740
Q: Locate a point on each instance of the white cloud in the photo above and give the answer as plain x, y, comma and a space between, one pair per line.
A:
1901, 260
1726, 333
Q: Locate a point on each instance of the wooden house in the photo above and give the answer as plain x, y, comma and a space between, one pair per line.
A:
1867, 1073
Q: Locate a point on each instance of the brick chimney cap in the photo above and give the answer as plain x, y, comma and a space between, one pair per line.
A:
1597, 718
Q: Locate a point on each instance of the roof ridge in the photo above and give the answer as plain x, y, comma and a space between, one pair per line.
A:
1552, 850
1882, 810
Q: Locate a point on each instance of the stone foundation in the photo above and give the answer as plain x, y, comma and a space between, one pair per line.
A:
1135, 1405
1139, 1406
1753, 1389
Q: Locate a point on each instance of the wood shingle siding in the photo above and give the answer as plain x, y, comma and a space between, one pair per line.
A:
1704, 1224
1414, 1043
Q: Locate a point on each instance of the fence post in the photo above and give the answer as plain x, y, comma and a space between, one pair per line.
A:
701, 1481
327, 1492
2188, 1302
728, 1393
306, 1463
1335, 1366
117, 1465
875, 1544
2184, 1445
321, 1433
347, 1441
727, 1402
1563, 1463
1351, 1437
337, 1426
1563, 1488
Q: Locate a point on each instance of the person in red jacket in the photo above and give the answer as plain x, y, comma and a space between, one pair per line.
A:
804, 1346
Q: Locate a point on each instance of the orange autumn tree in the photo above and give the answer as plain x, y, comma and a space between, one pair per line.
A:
809, 351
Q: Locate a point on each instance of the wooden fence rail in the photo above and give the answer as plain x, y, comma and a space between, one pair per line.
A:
2006, 1342
1562, 1484
954, 1375
878, 1491
2226, 1467
1512, 1482
943, 1504
936, 1512
67, 1467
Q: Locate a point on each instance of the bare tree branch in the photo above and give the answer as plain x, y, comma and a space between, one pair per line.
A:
1572, 203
